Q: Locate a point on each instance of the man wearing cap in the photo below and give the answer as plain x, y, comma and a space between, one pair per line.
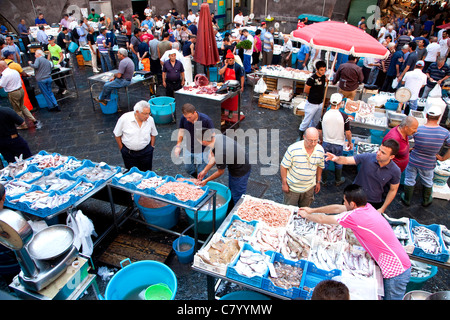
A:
172, 74
414, 80
428, 141
120, 79
334, 128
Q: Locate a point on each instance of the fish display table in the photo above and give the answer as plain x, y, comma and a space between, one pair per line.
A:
264, 242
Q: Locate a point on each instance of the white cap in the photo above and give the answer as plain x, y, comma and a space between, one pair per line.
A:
434, 111
172, 51
336, 98
102, 14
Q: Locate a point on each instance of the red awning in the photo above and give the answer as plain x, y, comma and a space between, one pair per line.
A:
340, 37
206, 52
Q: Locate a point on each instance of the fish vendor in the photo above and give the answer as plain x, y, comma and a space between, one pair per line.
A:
226, 153
232, 71
135, 134
373, 232
11, 143
376, 172
194, 159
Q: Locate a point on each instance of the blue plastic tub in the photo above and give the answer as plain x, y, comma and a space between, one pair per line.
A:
162, 109
391, 105
205, 217
86, 54
184, 256
112, 105
73, 47
376, 136
244, 295
164, 217
137, 277
416, 283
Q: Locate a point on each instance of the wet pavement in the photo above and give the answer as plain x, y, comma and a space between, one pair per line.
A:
81, 132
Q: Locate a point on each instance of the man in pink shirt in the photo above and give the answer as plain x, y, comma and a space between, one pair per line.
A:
373, 232
401, 134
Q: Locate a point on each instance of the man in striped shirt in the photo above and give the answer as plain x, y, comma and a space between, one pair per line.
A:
427, 142
301, 170
373, 233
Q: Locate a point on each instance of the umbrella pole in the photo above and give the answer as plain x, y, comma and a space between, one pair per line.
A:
326, 88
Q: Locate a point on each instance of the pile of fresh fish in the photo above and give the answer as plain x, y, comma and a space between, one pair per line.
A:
81, 189
295, 247
402, 233
251, 264
153, 182
71, 164
182, 191
95, 173
357, 262
44, 161
52, 182
330, 232
366, 148
28, 176
193, 180
426, 239
42, 200
14, 188
286, 276
220, 252
268, 239
13, 169
239, 230
272, 214
420, 270
132, 177
302, 227
446, 236
326, 257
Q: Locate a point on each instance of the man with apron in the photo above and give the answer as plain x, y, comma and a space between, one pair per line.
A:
232, 71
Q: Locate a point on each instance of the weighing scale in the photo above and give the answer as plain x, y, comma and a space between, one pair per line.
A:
402, 95
44, 257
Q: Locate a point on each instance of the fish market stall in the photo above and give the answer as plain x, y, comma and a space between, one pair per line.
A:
266, 247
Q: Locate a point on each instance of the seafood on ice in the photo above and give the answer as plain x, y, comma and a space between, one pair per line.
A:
28, 176
295, 247
48, 160
302, 227
286, 276
96, 173
132, 177
182, 191
274, 215
326, 256
149, 183
220, 252
239, 230
426, 239
330, 232
80, 189
14, 188
14, 168
251, 264
42, 200
419, 269
193, 180
268, 239
357, 262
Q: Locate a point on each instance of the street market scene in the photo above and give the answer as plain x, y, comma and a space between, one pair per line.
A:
225, 150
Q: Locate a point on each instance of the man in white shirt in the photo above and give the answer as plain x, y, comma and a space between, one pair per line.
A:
444, 44
191, 16
135, 134
414, 81
239, 19
431, 54
248, 52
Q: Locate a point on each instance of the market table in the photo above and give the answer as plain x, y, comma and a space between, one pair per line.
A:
59, 73
139, 77
209, 104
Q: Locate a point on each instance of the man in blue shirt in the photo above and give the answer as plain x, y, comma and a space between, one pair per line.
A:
40, 21
194, 158
172, 74
192, 27
302, 57
393, 70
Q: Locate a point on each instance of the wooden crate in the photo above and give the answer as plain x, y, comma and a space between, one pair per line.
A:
265, 101
272, 83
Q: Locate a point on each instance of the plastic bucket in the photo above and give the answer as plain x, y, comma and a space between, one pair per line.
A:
391, 105
163, 109
416, 283
160, 291
205, 216
86, 54
244, 295
137, 277
112, 105
376, 136
184, 256
165, 217
73, 47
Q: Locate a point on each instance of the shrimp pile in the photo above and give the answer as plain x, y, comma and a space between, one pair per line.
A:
272, 214
182, 191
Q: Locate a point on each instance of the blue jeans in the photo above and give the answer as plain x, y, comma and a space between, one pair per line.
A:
313, 112
136, 61
334, 149
117, 83
394, 288
194, 162
299, 65
106, 62
46, 88
238, 186
247, 63
411, 173
413, 104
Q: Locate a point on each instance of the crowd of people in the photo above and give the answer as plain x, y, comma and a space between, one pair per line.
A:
166, 46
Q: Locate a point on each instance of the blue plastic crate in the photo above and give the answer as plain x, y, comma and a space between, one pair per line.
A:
255, 281
172, 197
312, 277
31, 169
294, 292
443, 256
391, 105
253, 223
129, 185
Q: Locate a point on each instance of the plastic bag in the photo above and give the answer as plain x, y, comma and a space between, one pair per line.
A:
83, 229
395, 83
261, 86
436, 92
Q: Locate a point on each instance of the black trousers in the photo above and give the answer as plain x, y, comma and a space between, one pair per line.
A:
14, 147
141, 159
171, 87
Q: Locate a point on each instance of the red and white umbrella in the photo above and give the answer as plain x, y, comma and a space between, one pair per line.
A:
342, 38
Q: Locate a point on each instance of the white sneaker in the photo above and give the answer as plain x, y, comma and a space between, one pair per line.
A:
96, 71
64, 91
